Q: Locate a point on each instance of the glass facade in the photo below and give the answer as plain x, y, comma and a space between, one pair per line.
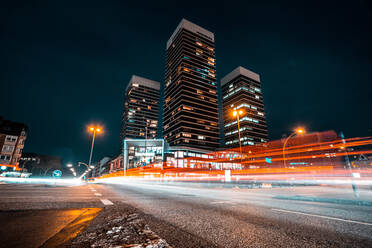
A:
142, 152
190, 100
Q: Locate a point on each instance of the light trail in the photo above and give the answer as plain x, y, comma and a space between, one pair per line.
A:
71, 182
308, 163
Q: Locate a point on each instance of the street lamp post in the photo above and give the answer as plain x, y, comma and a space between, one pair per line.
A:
94, 130
353, 185
143, 117
297, 131
87, 166
237, 113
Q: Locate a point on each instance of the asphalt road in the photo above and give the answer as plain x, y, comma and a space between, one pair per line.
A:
195, 216
249, 217
32, 214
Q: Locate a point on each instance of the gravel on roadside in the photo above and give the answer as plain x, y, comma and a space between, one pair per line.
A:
119, 225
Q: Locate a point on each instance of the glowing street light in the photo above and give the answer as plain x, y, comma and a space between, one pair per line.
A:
297, 131
69, 165
237, 113
93, 130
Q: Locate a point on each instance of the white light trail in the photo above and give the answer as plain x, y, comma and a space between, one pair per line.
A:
41, 181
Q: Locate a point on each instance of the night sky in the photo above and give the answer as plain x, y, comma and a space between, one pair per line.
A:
65, 64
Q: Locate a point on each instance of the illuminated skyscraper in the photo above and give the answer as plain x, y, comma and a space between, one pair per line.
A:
241, 90
190, 100
141, 109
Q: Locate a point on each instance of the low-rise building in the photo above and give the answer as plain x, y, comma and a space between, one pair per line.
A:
12, 140
40, 165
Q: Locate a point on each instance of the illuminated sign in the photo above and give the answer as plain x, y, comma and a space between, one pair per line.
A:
57, 174
268, 160
298, 163
145, 154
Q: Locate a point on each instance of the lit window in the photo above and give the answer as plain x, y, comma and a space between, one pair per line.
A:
257, 97
187, 107
201, 137
212, 91
187, 135
199, 43
260, 113
199, 92
135, 85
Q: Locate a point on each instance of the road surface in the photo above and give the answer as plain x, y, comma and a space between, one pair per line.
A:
198, 216
251, 217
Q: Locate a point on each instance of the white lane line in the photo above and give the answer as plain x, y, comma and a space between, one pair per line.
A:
219, 202
106, 202
322, 216
98, 194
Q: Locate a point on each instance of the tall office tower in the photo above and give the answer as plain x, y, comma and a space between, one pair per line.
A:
190, 107
241, 90
141, 108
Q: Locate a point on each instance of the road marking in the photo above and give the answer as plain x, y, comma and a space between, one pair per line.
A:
322, 216
106, 202
98, 194
218, 202
93, 190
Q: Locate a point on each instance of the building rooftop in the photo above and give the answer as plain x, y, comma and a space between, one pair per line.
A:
11, 128
144, 82
240, 71
193, 28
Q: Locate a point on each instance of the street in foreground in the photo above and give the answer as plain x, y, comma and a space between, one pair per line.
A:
182, 216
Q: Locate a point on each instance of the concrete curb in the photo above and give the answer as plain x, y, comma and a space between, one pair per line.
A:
327, 200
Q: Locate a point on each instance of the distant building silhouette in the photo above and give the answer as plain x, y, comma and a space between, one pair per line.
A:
40, 165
